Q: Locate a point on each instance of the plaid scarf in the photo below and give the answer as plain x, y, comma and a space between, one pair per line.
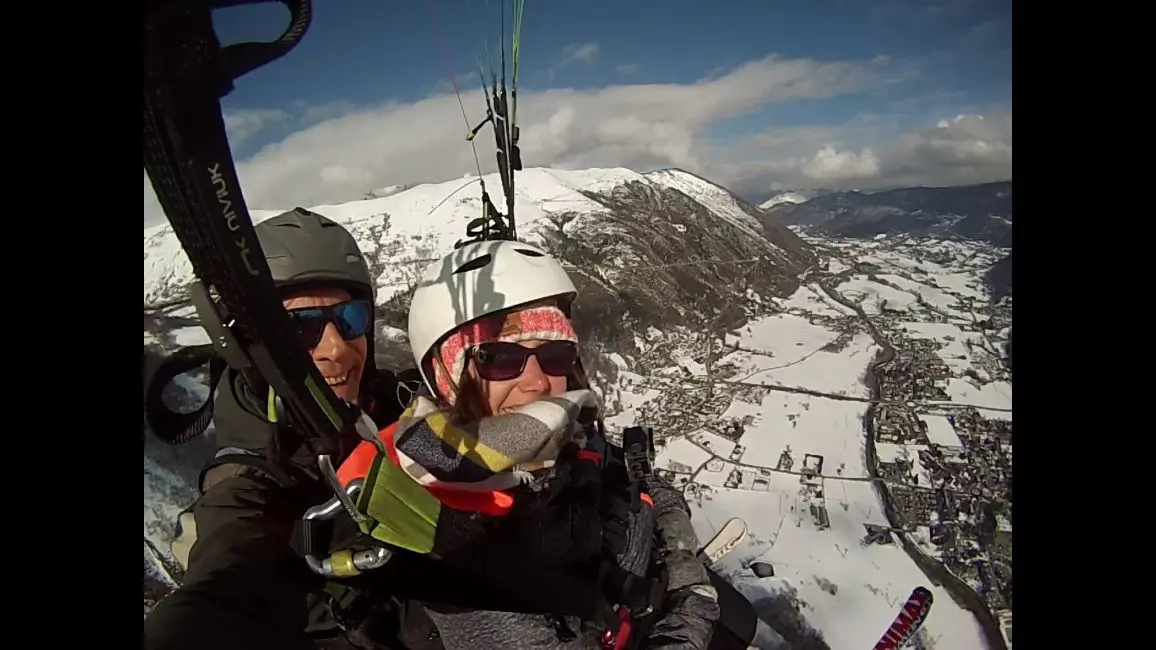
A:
496, 453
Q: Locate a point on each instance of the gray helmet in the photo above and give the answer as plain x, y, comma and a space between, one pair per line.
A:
303, 247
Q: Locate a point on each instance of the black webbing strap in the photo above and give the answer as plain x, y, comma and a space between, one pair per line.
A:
190, 165
170, 426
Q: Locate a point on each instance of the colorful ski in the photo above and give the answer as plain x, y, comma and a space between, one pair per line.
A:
725, 540
908, 621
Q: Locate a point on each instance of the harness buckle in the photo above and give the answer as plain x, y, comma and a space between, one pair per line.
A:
218, 325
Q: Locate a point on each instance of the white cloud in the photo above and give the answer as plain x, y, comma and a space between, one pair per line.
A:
627, 68
966, 149
961, 150
240, 125
581, 52
585, 53
638, 125
830, 166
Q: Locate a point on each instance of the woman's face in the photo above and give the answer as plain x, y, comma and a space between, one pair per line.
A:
341, 362
530, 386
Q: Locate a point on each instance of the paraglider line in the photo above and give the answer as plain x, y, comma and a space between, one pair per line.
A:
453, 81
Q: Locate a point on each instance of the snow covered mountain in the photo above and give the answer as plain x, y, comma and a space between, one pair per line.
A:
388, 190
791, 197
999, 278
976, 212
402, 231
785, 197
762, 359
607, 224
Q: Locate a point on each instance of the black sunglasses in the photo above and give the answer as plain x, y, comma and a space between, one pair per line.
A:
352, 319
500, 360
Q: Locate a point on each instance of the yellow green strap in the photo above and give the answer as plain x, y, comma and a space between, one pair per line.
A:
401, 512
271, 406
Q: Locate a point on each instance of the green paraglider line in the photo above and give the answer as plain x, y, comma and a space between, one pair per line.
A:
518, 7
454, 82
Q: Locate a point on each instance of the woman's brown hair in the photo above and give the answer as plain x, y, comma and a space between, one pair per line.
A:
471, 404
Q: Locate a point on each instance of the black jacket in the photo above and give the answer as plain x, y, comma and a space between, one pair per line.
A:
245, 588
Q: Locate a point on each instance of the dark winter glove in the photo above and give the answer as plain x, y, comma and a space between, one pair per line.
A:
571, 478
687, 621
557, 515
691, 607
615, 522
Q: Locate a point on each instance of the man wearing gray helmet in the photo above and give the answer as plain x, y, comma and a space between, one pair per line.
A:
244, 586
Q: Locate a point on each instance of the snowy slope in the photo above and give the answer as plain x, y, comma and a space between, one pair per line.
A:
388, 190
423, 222
720, 200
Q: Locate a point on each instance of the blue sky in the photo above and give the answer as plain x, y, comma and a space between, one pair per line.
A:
915, 64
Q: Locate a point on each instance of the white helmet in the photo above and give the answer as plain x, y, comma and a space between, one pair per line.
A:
477, 280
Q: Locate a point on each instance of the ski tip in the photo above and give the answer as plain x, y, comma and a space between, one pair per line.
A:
735, 522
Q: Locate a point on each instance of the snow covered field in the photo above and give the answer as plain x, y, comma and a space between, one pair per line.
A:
849, 591
869, 583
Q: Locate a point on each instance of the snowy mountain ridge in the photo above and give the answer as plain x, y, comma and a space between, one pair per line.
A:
790, 197
978, 212
408, 228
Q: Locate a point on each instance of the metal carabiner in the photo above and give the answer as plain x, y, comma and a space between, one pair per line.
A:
343, 563
367, 431
344, 496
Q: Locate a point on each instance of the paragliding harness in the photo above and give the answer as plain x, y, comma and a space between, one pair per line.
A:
189, 163
333, 539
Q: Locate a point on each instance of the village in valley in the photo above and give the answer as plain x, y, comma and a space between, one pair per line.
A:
940, 430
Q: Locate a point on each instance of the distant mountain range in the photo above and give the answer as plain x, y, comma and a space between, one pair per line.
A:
976, 212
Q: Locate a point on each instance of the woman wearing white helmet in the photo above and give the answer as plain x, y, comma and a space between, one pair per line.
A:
504, 431
493, 302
